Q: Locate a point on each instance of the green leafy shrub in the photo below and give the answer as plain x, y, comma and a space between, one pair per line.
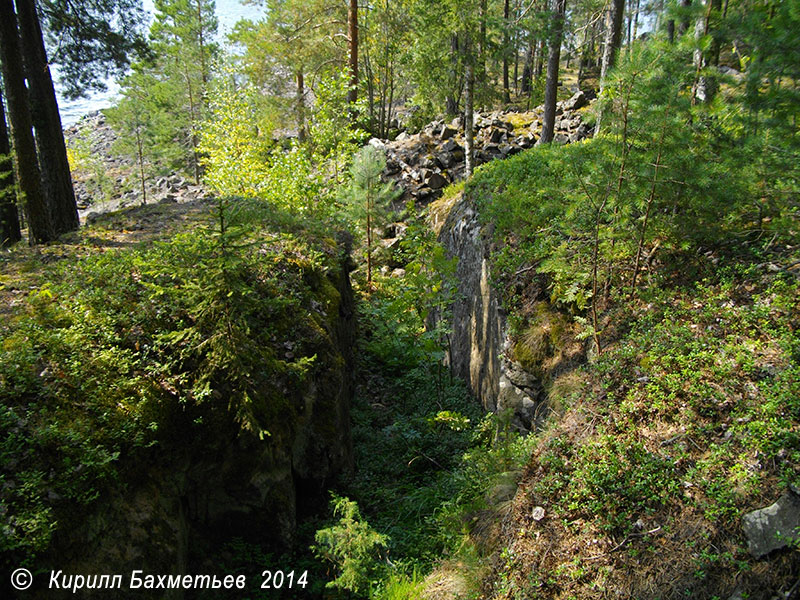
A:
352, 546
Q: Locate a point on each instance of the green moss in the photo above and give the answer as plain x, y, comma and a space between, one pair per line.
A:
200, 338
440, 208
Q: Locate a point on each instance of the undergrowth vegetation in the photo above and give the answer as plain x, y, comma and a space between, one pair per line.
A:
686, 423
673, 250
429, 463
123, 354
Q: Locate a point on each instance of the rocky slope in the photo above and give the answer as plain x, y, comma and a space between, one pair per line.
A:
423, 164
105, 180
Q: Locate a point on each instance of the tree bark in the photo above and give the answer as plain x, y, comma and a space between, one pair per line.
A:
300, 106
537, 72
352, 42
551, 85
452, 97
613, 39
193, 138
53, 163
527, 69
140, 159
9, 217
635, 22
469, 129
684, 26
28, 176
705, 86
506, 86
611, 48
583, 59
482, 43
201, 43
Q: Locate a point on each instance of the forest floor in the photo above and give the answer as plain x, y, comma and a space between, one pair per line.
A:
23, 269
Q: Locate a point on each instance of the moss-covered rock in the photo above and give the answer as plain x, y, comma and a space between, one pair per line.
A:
160, 400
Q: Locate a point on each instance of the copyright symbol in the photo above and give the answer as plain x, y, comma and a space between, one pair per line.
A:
21, 579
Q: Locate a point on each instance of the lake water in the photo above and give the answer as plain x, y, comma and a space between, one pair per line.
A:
229, 12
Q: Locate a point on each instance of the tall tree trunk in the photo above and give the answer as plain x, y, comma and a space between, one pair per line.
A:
611, 48
629, 29
28, 176
537, 72
9, 217
613, 39
482, 43
635, 21
452, 97
390, 102
517, 8
506, 49
53, 163
201, 43
140, 159
705, 86
551, 85
192, 124
469, 129
527, 69
584, 55
352, 42
300, 106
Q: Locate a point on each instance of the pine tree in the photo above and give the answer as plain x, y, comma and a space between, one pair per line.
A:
9, 217
551, 85
37, 214
178, 76
138, 121
369, 196
611, 47
51, 149
295, 39
86, 43
352, 46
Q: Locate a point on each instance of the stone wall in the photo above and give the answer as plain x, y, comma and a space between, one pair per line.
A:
479, 338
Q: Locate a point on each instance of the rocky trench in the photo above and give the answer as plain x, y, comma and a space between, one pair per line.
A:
422, 165
180, 507
262, 485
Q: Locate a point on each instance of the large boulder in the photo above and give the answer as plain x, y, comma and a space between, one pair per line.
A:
448, 133
775, 526
578, 100
436, 181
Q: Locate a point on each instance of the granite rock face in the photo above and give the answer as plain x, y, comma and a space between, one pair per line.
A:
479, 341
205, 486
